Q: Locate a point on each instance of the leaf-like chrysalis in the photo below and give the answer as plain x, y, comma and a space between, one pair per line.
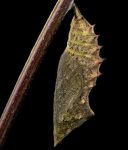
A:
77, 73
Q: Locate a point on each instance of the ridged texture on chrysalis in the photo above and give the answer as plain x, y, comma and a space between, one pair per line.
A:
77, 73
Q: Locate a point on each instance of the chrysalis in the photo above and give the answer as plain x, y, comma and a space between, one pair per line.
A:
77, 73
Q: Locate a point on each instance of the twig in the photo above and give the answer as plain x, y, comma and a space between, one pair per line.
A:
34, 59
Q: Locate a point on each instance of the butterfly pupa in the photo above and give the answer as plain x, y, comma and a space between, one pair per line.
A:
77, 73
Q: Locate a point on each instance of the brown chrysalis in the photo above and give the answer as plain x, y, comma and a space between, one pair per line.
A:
77, 73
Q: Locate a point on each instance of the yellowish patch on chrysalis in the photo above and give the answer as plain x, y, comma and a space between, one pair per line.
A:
77, 53
82, 101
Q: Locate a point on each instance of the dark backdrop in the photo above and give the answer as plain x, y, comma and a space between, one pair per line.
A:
20, 25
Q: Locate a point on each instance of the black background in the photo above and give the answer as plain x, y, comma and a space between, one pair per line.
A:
20, 25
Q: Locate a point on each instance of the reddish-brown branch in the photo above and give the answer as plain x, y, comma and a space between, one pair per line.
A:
36, 55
